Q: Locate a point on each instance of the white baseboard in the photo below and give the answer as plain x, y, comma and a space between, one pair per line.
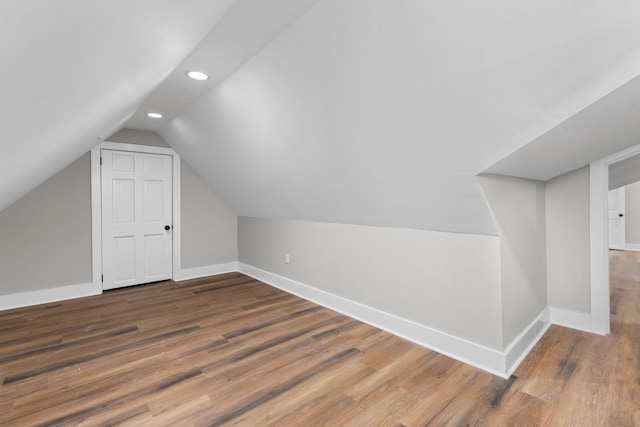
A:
208, 270
524, 343
43, 296
481, 357
632, 246
574, 320
498, 363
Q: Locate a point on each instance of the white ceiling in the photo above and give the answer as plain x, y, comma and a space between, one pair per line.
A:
383, 113
624, 172
72, 71
602, 128
245, 29
360, 111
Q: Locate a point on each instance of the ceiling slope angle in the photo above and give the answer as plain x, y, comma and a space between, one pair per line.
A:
605, 127
603, 115
383, 113
247, 27
74, 71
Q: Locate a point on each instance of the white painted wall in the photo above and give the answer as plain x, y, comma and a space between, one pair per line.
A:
568, 264
446, 281
518, 207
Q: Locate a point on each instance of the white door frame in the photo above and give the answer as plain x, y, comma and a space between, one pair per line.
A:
599, 239
620, 218
96, 204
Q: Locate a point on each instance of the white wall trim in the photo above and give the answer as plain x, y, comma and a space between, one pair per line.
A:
481, 357
63, 293
599, 243
502, 364
599, 246
96, 203
209, 270
632, 247
573, 319
524, 343
43, 296
96, 219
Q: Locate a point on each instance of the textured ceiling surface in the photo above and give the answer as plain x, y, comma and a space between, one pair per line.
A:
358, 111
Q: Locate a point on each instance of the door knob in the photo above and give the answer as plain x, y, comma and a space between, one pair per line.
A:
167, 227
620, 215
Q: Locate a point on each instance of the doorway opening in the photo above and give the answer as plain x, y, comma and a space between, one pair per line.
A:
608, 173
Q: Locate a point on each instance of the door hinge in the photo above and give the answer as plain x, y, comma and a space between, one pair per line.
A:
101, 161
102, 278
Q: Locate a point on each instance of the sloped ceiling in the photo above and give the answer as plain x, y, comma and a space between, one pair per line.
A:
602, 128
247, 27
358, 111
73, 71
624, 172
378, 112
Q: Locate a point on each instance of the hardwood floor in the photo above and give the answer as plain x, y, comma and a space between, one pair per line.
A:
229, 350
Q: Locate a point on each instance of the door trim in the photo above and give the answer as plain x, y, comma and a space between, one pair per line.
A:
96, 204
599, 238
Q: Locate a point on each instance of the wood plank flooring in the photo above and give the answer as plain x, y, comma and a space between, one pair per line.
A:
229, 350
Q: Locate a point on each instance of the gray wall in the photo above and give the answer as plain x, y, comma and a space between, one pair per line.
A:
209, 227
486, 289
446, 281
632, 214
568, 263
518, 208
45, 237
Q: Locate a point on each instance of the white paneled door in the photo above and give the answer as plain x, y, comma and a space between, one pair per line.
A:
617, 223
136, 218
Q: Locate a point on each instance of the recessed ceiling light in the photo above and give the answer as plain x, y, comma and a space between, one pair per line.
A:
197, 75
154, 115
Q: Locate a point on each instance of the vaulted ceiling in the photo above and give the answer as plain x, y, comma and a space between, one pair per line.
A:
74, 71
358, 111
